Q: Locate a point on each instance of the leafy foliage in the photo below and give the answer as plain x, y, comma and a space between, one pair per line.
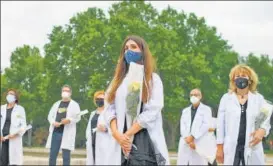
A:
84, 53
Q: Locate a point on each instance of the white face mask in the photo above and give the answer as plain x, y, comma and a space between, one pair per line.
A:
194, 99
66, 95
10, 98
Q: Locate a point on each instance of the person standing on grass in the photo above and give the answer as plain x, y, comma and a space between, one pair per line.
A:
13, 120
62, 117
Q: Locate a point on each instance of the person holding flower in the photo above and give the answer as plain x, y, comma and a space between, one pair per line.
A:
13, 119
134, 108
242, 121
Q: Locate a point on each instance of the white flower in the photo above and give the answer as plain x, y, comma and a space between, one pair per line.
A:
263, 115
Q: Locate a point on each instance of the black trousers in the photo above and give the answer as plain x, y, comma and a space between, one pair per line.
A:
123, 160
4, 159
239, 157
94, 146
214, 163
209, 164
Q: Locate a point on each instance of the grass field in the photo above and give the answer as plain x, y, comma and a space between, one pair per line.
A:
173, 162
80, 154
268, 152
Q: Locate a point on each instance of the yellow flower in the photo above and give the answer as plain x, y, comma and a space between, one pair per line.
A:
265, 111
135, 86
19, 116
62, 110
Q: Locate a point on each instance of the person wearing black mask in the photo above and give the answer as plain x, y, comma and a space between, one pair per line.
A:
98, 140
239, 134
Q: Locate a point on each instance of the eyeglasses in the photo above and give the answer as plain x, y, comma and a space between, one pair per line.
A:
196, 95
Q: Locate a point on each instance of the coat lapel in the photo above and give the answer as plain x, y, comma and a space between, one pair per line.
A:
70, 105
101, 119
250, 105
237, 107
188, 117
3, 115
91, 116
196, 123
14, 111
14, 116
249, 114
235, 99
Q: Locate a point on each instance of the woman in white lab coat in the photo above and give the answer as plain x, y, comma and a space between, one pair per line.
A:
135, 50
212, 136
13, 120
98, 141
236, 135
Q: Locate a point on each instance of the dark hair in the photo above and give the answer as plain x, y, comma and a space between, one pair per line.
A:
122, 68
16, 94
68, 86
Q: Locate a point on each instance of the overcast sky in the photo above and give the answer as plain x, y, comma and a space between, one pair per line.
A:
248, 26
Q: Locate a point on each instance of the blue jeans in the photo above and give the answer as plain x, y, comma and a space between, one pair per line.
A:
55, 147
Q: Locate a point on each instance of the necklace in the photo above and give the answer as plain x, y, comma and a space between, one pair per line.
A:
242, 96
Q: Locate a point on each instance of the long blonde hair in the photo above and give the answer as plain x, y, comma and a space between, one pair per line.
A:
243, 69
122, 69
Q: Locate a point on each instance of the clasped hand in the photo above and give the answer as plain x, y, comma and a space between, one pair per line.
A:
125, 142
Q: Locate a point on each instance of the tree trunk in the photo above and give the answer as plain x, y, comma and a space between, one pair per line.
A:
171, 133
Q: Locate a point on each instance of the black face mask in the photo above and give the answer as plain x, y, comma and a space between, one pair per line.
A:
100, 102
241, 82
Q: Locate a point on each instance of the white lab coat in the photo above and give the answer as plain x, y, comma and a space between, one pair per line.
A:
103, 143
228, 123
212, 143
150, 118
200, 127
18, 121
69, 133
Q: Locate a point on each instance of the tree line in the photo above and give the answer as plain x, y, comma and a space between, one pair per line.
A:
84, 52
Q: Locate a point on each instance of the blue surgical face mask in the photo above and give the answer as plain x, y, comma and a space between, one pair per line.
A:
132, 56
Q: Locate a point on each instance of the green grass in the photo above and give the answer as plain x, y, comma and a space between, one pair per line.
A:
172, 152
173, 162
268, 151
35, 154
